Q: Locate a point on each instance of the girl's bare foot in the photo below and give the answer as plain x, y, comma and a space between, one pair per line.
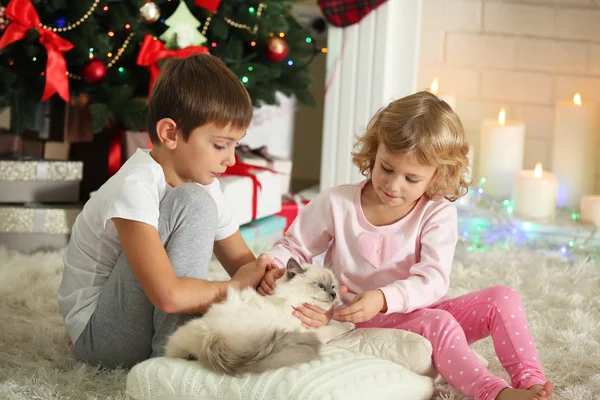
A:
517, 394
543, 392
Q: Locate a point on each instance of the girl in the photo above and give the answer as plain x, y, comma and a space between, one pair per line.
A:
391, 240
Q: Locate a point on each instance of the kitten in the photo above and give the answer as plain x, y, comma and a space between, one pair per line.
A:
251, 333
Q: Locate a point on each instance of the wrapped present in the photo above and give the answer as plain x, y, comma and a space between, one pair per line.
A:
260, 235
29, 180
261, 157
253, 192
290, 207
36, 227
10, 145
133, 141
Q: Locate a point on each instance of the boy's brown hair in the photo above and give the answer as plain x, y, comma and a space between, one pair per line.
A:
195, 91
424, 126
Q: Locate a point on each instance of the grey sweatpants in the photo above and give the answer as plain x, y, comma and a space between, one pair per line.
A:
125, 327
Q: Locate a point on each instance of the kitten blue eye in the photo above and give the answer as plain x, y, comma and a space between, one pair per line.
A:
320, 286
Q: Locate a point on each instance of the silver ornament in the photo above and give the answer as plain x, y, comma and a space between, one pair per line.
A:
150, 12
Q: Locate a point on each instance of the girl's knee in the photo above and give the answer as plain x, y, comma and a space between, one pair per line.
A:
437, 323
501, 294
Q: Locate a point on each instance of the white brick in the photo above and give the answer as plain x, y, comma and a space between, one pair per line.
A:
536, 151
460, 82
473, 112
518, 19
539, 121
560, 2
552, 55
526, 87
567, 86
578, 24
468, 49
432, 45
594, 60
452, 14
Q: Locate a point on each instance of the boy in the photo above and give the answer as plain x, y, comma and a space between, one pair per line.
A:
137, 262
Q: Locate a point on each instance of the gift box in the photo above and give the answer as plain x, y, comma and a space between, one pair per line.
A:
10, 145
133, 141
252, 193
262, 158
290, 207
31, 180
35, 227
260, 235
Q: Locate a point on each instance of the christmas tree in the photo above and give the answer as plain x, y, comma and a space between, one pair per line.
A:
108, 52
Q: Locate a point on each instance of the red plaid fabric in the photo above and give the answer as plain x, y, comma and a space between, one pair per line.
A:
347, 12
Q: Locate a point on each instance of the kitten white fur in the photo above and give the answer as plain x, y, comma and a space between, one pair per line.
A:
251, 333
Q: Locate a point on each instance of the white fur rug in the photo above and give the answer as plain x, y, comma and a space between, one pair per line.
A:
562, 301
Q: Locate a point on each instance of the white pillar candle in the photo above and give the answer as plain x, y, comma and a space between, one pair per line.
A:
534, 193
501, 147
451, 100
590, 209
574, 151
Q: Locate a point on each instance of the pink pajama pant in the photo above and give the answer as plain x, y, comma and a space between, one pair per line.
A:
452, 325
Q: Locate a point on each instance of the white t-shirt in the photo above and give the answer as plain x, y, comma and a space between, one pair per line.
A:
134, 193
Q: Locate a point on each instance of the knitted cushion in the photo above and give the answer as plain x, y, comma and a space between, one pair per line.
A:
339, 374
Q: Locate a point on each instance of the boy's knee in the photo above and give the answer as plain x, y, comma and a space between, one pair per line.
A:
193, 197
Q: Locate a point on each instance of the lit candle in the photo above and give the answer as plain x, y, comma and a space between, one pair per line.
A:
534, 193
451, 100
590, 209
574, 151
501, 147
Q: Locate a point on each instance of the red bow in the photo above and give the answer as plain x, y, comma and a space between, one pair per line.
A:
241, 169
23, 18
153, 50
210, 5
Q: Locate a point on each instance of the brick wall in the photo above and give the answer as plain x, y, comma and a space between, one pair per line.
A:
523, 55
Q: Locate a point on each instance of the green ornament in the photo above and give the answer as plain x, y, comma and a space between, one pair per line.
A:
183, 29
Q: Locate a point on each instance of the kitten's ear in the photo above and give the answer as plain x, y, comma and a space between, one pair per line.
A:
293, 268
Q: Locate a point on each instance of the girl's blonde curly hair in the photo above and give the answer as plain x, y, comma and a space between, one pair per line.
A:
427, 128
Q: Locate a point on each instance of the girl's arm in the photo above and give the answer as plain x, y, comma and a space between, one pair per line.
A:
429, 279
309, 235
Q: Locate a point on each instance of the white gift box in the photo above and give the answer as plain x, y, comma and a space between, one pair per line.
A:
273, 126
281, 165
239, 193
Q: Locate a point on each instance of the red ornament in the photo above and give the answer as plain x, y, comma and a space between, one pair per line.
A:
277, 49
94, 72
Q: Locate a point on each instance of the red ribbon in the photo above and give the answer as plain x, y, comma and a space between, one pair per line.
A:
241, 169
23, 18
153, 50
210, 5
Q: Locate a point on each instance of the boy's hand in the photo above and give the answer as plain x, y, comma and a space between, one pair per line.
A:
313, 316
251, 274
267, 285
363, 307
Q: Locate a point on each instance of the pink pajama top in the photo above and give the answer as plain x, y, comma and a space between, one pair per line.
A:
409, 260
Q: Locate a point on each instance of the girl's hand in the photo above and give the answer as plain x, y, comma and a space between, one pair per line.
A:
363, 308
313, 316
267, 285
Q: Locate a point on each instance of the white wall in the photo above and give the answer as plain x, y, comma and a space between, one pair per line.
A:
522, 55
